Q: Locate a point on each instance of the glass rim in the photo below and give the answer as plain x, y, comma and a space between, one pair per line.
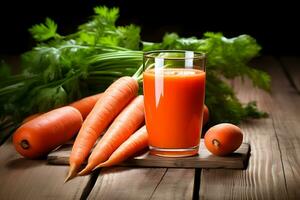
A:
197, 55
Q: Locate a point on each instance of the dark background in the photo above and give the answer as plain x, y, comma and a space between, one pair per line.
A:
274, 25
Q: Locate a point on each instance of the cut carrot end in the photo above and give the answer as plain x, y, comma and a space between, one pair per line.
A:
216, 143
71, 173
25, 144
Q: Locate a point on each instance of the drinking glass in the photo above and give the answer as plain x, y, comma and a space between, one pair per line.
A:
174, 90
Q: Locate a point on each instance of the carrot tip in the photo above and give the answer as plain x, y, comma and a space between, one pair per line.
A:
71, 173
97, 167
104, 164
86, 170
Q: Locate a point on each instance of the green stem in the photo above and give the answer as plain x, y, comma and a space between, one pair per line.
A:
137, 75
115, 73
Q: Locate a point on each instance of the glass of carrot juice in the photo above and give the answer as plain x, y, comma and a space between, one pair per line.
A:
174, 90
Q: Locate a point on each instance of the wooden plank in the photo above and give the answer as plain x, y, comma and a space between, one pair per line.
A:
237, 160
127, 183
261, 180
269, 175
176, 184
291, 65
285, 108
34, 179
144, 183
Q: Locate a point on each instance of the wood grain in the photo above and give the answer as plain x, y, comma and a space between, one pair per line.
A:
273, 170
285, 110
291, 66
34, 179
127, 183
176, 184
237, 160
144, 183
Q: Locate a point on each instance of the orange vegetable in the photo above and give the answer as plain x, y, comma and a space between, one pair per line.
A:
135, 143
205, 114
112, 102
223, 139
127, 122
31, 117
39, 136
86, 104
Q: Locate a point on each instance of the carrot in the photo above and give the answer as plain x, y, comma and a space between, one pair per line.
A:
223, 139
135, 143
205, 115
113, 100
127, 122
86, 104
47, 131
31, 117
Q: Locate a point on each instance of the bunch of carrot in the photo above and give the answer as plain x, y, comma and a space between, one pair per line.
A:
118, 110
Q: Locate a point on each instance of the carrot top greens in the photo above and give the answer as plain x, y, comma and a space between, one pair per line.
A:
63, 68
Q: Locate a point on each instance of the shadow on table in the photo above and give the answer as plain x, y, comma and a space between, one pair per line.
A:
23, 163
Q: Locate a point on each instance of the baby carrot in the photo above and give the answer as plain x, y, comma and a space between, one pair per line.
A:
47, 131
113, 100
127, 122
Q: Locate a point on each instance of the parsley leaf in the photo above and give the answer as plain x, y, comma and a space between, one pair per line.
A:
42, 32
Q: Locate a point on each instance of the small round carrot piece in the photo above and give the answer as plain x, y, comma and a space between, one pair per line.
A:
223, 139
44, 133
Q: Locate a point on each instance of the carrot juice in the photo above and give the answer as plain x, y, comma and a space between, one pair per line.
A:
174, 99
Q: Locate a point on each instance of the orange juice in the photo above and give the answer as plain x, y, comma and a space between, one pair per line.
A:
174, 100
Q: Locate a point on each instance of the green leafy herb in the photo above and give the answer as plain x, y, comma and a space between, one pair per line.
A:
63, 68
42, 32
4, 70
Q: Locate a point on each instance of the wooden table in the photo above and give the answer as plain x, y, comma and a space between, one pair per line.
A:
273, 171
